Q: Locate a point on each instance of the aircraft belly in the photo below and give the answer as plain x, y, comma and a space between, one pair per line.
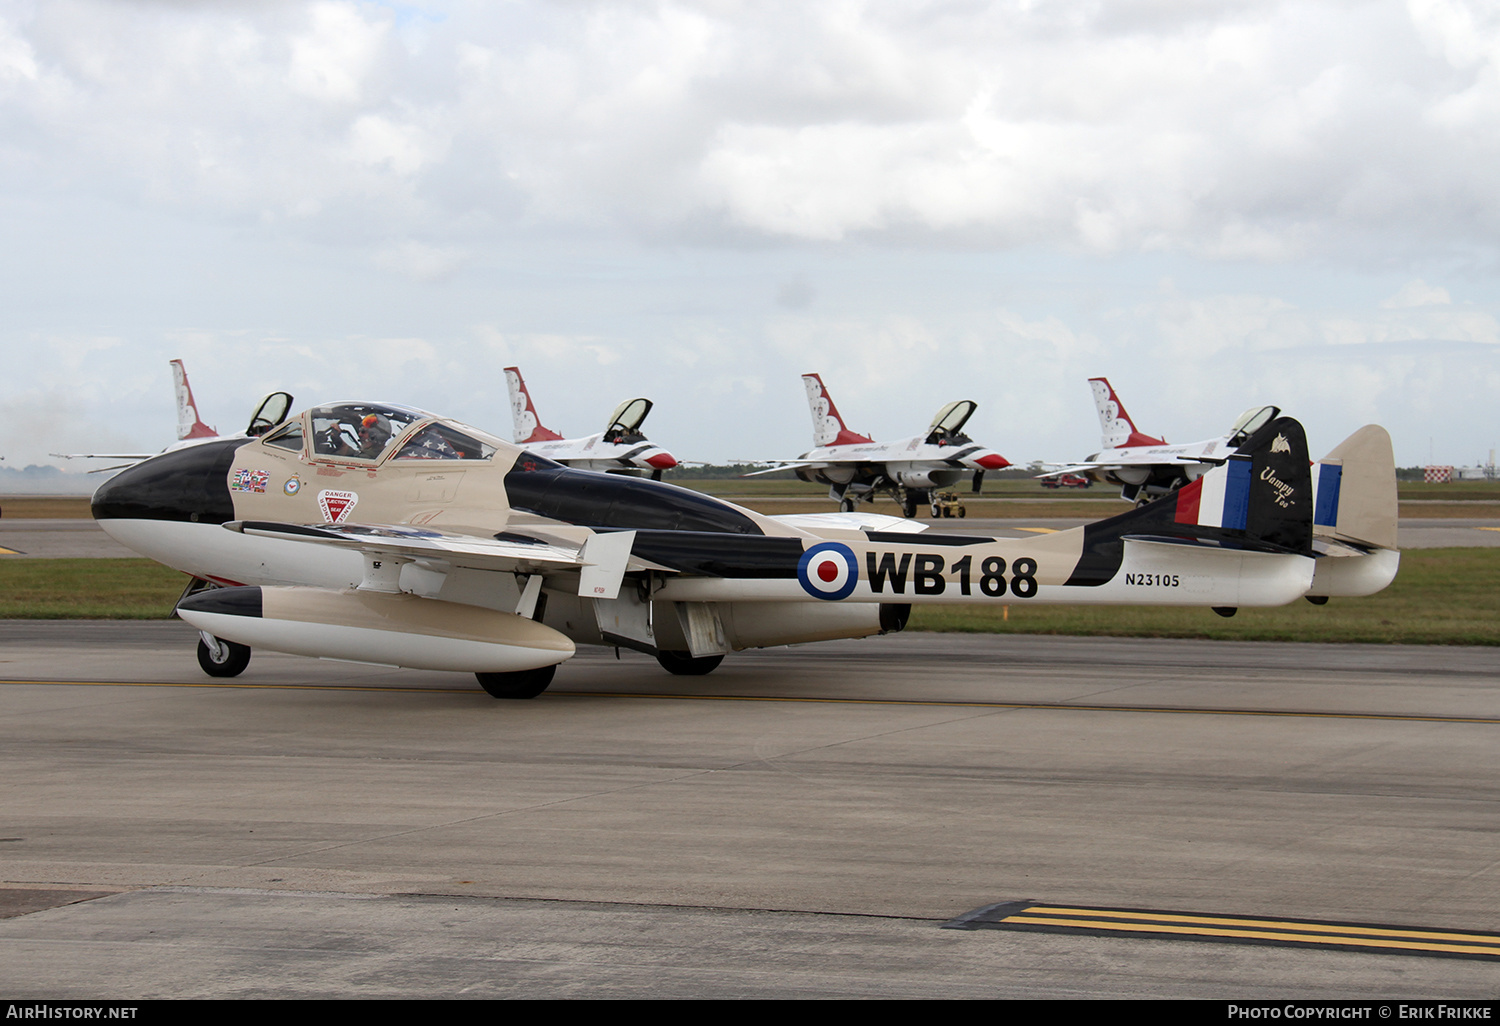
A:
208, 550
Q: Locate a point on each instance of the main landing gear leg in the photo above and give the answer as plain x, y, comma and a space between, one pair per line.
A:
220, 658
517, 684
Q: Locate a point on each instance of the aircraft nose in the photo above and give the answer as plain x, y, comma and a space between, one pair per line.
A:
188, 484
993, 461
662, 461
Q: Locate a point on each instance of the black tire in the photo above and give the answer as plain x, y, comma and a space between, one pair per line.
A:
909, 510
229, 661
682, 664
962, 512
846, 505
517, 684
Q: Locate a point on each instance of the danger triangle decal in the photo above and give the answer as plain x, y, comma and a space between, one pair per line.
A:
336, 506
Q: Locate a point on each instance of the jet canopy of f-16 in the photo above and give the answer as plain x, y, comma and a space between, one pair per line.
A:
383, 533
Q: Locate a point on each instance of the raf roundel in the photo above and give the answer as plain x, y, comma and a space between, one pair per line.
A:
828, 571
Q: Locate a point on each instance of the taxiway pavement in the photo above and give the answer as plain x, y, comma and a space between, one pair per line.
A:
800, 823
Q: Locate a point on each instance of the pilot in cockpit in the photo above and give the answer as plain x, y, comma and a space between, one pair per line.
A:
374, 435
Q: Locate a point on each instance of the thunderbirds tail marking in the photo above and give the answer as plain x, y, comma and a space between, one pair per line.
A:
189, 424
527, 425
1115, 426
828, 426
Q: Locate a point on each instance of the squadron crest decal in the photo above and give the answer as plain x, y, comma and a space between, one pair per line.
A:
336, 506
828, 571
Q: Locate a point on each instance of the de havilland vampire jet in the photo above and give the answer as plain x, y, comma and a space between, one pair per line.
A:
618, 449
191, 430
856, 467
1147, 468
384, 534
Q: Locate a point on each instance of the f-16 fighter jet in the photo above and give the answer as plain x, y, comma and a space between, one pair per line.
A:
1147, 468
856, 467
191, 430
618, 449
385, 534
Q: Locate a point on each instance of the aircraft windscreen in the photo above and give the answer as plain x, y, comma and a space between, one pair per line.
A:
441, 442
360, 431
289, 437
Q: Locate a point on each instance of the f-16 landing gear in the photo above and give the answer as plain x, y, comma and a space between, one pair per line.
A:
220, 658
518, 684
911, 498
846, 505
682, 664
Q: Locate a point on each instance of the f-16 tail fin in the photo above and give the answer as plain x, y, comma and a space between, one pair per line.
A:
189, 424
526, 424
1260, 499
1355, 490
828, 426
1115, 426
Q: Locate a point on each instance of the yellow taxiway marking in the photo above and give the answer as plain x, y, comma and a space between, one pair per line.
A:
1487, 528
10, 552
1307, 933
1038, 530
800, 699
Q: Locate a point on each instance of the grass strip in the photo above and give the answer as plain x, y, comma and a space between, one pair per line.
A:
88, 589
1440, 597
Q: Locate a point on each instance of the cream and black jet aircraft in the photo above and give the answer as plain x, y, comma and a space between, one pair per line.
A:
380, 533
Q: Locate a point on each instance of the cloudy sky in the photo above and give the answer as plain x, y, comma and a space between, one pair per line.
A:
1215, 205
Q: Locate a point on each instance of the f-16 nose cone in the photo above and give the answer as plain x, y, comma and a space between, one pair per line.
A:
993, 461
662, 461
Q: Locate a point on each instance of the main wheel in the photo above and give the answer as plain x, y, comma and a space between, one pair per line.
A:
846, 505
223, 658
684, 665
517, 684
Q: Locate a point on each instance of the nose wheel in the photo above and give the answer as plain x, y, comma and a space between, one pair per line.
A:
220, 658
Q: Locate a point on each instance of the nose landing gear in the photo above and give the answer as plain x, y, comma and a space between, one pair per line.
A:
220, 658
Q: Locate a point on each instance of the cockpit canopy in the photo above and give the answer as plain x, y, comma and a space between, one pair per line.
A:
370, 432
947, 426
625, 423
1251, 421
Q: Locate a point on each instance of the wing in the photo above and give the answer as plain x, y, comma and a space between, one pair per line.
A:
817, 523
602, 561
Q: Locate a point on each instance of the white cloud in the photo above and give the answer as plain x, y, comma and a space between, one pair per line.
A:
1417, 293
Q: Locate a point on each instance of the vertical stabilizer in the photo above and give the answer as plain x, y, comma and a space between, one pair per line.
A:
1259, 499
1115, 426
526, 424
828, 426
1356, 490
189, 424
